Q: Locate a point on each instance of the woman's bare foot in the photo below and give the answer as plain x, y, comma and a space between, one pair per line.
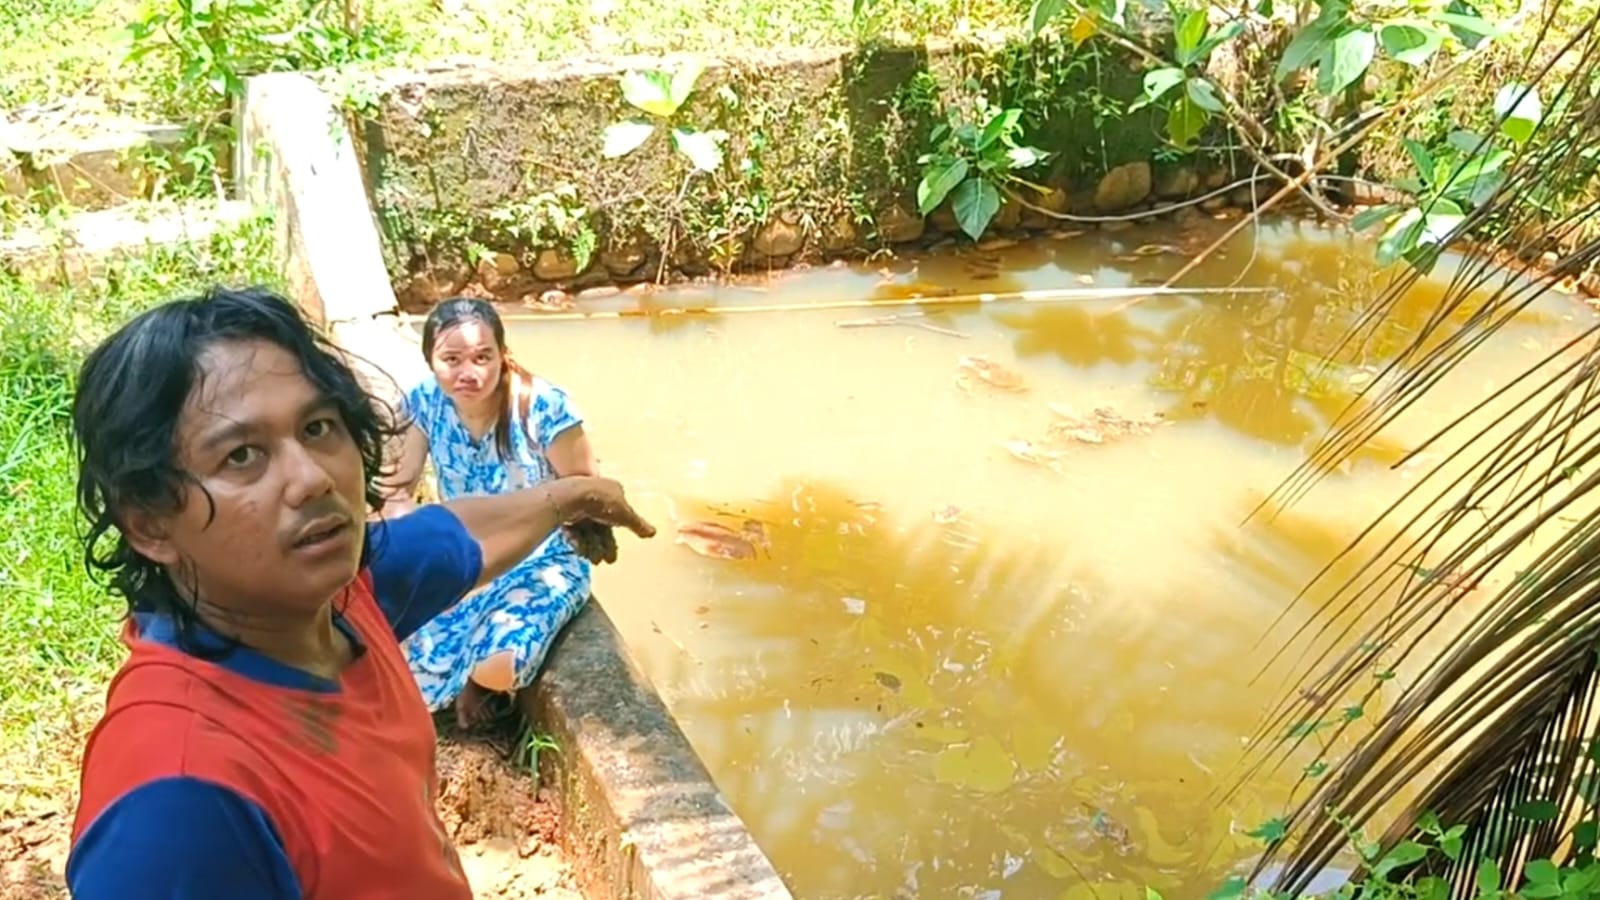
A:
471, 706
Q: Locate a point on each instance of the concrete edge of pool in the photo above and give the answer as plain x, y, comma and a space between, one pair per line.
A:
642, 817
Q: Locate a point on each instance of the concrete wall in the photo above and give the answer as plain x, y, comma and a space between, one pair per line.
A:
491, 180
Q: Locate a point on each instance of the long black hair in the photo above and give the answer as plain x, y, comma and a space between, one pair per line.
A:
131, 392
514, 391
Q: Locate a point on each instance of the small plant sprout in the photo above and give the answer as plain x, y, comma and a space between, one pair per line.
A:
660, 96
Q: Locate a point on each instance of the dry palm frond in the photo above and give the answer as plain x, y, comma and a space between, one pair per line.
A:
1496, 728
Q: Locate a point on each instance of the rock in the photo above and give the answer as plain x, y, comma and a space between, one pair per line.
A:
840, 234
1214, 179
1009, 216
943, 220
625, 260
897, 225
778, 238
551, 300
1125, 186
497, 269
555, 264
1116, 225
1212, 204
1176, 183
1055, 200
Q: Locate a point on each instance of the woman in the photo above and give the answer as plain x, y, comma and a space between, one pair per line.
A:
490, 427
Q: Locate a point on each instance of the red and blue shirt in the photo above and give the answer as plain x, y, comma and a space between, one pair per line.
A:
248, 779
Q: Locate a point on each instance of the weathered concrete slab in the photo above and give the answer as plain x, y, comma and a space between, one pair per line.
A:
82, 158
295, 156
90, 242
643, 817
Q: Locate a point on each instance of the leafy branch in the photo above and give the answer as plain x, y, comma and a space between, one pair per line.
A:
661, 96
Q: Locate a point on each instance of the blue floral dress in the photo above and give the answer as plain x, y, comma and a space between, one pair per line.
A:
523, 610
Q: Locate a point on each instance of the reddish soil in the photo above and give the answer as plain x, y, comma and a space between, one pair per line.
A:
504, 827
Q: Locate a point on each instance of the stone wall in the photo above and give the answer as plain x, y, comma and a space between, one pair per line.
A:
491, 181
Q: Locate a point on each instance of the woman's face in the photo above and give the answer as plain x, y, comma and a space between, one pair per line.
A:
467, 362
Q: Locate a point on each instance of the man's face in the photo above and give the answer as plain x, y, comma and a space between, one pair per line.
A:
281, 534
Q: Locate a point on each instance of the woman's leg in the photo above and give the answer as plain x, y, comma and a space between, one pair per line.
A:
510, 640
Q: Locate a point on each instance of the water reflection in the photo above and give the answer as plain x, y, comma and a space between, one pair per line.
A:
955, 711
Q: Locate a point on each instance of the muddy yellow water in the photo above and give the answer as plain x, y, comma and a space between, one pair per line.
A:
966, 604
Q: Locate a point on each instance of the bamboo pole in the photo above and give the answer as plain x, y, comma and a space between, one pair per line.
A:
1044, 295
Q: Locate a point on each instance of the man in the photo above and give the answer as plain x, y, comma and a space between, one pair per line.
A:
264, 738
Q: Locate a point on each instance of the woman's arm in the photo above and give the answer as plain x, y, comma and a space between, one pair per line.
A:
400, 486
571, 454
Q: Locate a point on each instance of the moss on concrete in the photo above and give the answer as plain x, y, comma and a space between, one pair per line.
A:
496, 176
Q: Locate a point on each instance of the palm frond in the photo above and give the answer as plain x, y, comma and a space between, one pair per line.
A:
1494, 728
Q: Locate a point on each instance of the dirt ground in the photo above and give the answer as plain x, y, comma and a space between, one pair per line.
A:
506, 831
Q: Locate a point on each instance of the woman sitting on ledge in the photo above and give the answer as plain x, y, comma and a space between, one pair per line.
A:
492, 427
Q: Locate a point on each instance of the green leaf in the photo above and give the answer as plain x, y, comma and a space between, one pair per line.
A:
1410, 43
648, 91
1542, 871
998, 126
703, 148
1536, 810
1488, 878
1372, 216
1156, 83
1316, 769
1586, 836
1043, 11
975, 203
1271, 831
623, 138
1421, 158
1520, 111
1404, 854
1202, 94
1185, 121
1432, 888
1190, 32
683, 82
1232, 889
1400, 237
1306, 47
1223, 35
1345, 59
1467, 142
1472, 25
938, 182
1151, 893
1450, 844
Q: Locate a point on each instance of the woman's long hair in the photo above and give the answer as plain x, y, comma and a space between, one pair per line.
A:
514, 391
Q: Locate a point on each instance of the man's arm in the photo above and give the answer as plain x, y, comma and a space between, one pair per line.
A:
181, 839
510, 526
422, 563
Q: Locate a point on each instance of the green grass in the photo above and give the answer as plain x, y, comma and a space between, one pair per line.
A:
74, 48
59, 627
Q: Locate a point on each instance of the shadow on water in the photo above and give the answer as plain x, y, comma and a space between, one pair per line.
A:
956, 711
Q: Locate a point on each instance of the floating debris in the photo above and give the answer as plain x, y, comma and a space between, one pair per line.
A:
1033, 454
989, 372
1101, 425
718, 541
944, 515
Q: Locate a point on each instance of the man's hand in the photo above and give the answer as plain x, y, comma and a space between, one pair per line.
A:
600, 501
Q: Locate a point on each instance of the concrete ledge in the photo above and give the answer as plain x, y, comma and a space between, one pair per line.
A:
642, 818
295, 156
